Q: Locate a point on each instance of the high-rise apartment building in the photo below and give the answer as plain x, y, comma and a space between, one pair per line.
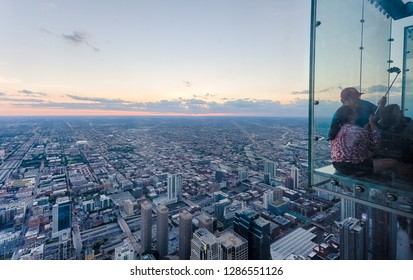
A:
185, 235
146, 225
205, 246
162, 236
270, 168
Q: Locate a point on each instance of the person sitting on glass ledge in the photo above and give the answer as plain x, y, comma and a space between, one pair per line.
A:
396, 134
350, 96
352, 146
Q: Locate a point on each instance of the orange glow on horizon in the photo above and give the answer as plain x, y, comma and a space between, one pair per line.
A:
16, 112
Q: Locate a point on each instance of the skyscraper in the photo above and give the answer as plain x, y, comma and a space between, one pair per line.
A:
270, 168
278, 193
162, 236
185, 235
146, 225
295, 174
256, 230
242, 175
62, 216
205, 246
353, 240
219, 208
206, 221
174, 186
234, 246
218, 176
383, 226
268, 198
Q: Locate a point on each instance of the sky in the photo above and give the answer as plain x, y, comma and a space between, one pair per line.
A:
155, 57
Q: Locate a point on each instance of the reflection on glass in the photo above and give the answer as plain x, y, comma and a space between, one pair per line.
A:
408, 72
367, 162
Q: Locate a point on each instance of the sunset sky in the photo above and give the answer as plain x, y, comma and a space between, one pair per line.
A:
154, 57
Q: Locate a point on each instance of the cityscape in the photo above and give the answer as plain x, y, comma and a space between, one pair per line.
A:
200, 130
149, 188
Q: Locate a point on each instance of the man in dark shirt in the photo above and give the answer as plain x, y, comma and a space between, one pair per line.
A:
351, 96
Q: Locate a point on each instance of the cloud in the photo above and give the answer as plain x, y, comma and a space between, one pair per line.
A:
187, 83
205, 96
305, 91
188, 106
96, 99
34, 100
381, 88
2, 94
31, 93
45, 30
79, 38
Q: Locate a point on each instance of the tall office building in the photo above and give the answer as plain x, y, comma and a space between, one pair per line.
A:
353, 240
295, 174
162, 236
256, 230
66, 250
217, 196
174, 186
289, 182
185, 235
278, 193
146, 225
205, 246
219, 176
270, 168
206, 221
124, 251
383, 226
219, 208
229, 213
268, 198
234, 246
62, 216
410, 231
242, 175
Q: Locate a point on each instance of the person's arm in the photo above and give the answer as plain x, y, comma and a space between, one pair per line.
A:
381, 104
374, 130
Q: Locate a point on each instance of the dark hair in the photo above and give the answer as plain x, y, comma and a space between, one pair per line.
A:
387, 117
341, 117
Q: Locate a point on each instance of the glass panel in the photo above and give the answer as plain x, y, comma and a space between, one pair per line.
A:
408, 72
349, 53
353, 48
